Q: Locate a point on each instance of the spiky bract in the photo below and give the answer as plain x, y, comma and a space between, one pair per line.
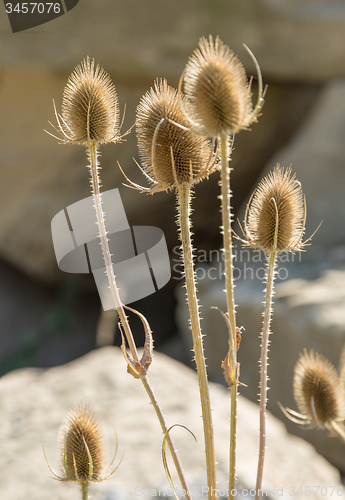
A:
90, 109
81, 446
216, 84
170, 152
275, 215
317, 389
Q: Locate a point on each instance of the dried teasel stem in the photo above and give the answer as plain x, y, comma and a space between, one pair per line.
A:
271, 264
229, 287
95, 182
183, 199
274, 222
95, 185
177, 158
90, 118
166, 433
84, 490
216, 84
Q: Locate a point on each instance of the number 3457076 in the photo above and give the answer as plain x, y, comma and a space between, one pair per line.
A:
31, 8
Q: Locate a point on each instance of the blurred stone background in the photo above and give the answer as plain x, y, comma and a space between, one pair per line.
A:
48, 317
121, 403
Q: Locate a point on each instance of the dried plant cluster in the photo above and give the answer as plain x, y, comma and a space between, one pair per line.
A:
182, 139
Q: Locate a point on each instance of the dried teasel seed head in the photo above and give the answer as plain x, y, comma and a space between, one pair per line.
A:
90, 109
216, 84
275, 215
171, 154
317, 390
81, 446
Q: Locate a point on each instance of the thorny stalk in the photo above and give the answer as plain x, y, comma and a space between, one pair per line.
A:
84, 490
184, 196
229, 287
271, 264
95, 183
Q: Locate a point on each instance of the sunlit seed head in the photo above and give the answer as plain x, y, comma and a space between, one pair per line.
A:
170, 153
81, 445
216, 84
317, 389
278, 203
90, 109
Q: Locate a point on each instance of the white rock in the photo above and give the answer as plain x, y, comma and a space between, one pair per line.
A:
33, 403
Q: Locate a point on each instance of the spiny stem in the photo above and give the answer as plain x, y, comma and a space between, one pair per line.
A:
168, 438
184, 195
84, 489
229, 287
95, 183
264, 361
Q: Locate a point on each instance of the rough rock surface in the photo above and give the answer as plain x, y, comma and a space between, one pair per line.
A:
299, 40
33, 403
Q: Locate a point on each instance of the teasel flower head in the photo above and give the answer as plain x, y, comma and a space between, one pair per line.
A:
171, 154
216, 84
318, 392
82, 449
90, 108
276, 213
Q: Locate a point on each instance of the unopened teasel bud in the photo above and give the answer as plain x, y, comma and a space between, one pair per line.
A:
82, 447
317, 390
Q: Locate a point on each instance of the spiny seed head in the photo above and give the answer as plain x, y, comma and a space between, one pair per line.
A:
317, 389
216, 84
170, 152
275, 215
81, 446
90, 109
